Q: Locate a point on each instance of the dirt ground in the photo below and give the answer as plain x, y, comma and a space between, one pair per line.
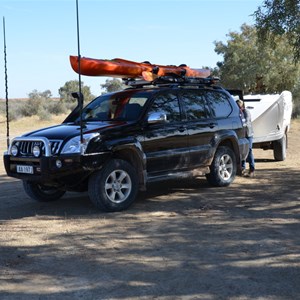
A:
180, 240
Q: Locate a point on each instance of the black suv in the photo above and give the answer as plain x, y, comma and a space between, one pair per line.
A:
121, 141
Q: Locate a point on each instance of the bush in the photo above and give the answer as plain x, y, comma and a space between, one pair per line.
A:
40, 104
296, 111
71, 86
44, 115
14, 114
57, 107
15, 109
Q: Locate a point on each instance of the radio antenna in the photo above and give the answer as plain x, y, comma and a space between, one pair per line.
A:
6, 85
80, 99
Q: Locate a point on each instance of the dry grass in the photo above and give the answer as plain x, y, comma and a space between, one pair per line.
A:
22, 126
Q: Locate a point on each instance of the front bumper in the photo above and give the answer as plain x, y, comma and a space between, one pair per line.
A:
62, 170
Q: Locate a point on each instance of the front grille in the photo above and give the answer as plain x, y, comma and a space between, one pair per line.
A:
26, 147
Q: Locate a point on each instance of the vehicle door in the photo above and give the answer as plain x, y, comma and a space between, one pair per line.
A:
201, 125
165, 143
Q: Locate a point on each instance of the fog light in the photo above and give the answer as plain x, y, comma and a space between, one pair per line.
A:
14, 150
36, 151
58, 164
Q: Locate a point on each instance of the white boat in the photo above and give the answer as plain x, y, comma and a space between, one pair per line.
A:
271, 119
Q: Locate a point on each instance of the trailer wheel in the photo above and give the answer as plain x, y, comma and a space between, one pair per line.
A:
114, 187
41, 193
223, 168
279, 148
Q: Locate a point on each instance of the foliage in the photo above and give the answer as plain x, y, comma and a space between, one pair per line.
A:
37, 103
112, 85
41, 104
296, 98
255, 69
71, 86
279, 17
15, 109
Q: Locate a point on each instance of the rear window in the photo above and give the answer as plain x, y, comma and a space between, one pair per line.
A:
203, 104
219, 104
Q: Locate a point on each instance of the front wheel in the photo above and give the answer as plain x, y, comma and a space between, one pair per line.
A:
42, 193
223, 167
114, 187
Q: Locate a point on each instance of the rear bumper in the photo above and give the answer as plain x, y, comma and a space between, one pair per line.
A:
268, 138
244, 148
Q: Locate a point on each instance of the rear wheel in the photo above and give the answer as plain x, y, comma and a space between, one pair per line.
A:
223, 167
114, 187
42, 193
280, 148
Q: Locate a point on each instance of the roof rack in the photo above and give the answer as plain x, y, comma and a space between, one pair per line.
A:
172, 81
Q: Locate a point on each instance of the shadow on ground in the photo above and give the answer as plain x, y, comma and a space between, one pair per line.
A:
180, 240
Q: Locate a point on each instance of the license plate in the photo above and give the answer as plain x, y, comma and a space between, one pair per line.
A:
25, 169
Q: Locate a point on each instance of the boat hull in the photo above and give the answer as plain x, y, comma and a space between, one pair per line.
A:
271, 115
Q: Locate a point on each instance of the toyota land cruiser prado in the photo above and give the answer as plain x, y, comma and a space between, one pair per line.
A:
124, 140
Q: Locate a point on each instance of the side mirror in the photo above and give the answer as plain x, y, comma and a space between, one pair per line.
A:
157, 117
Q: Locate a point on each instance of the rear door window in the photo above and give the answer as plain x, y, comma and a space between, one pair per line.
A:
195, 105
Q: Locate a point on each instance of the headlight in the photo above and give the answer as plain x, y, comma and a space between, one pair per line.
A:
36, 151
14, 150
73, 145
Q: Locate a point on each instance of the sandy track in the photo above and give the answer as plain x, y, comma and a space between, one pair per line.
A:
180, 240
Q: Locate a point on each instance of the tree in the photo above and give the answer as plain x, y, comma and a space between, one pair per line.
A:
251, 68
71, 86
279, 17
112, 85
39, 103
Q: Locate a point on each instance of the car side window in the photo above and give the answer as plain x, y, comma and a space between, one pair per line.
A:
195, 105
168, 104
219, 104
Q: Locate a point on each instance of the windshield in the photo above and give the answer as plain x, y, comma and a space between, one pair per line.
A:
118, 106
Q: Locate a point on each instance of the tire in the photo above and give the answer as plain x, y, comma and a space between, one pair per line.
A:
223, 168
114, 187
279, 148
41, 193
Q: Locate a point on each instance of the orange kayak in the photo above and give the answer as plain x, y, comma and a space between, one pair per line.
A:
122, 68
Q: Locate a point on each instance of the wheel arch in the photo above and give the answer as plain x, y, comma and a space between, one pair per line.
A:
134, 155
232, 143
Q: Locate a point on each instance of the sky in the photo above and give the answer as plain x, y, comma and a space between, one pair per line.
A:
42, 34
